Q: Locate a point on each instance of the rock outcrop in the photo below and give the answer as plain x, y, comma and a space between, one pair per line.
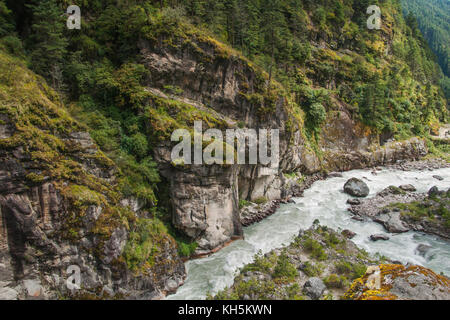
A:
357, 188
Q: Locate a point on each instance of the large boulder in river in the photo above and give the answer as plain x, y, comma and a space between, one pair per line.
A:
397, 282
357, 188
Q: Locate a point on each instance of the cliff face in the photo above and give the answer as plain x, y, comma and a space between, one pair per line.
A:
227, 90
60, 206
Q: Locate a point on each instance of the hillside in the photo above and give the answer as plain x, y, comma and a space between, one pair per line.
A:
86, 118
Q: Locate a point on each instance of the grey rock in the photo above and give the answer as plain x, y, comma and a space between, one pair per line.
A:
7, 293
357, 188
354, 202
335, 175
433, 191
33, 288
418, 286
314, 288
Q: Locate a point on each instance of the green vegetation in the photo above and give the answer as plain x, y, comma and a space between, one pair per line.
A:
433, 18
316, 249
284, 270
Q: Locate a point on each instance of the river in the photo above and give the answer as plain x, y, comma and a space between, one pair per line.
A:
325, 201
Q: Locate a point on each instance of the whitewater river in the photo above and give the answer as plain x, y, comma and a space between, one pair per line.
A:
325, 201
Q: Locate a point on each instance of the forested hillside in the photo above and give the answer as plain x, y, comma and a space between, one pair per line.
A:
433, 17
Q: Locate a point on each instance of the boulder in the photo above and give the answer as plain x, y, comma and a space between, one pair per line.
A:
357, 188
33, 288
422, 249
391, 221
348, 234
398, 282
378, 237
314, 288
335, 175
433, 191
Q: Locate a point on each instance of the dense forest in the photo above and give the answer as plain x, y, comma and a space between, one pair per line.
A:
318, 55
433, 17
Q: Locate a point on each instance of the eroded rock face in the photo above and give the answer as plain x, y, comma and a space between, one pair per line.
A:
398, 282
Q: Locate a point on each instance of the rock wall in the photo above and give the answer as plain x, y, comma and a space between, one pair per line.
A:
205, 198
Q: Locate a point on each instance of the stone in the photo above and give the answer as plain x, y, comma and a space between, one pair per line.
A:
400, 282
335, 175
422, 249
357, 188
391, 221
354, 202
314, 288
408, 188
379, 237
433, 191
